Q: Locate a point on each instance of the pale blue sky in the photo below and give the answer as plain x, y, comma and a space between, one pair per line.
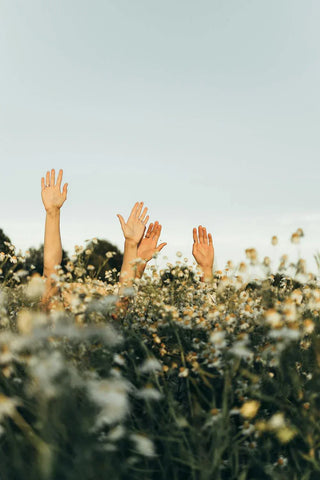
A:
208, 111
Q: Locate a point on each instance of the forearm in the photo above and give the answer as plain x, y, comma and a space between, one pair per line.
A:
52, 254
207, 273
128, 270
141, 268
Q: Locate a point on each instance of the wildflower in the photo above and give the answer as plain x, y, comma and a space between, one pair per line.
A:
22, 273
184, 372
274, 240
182, 422
111, 396
277, 421
266, 261
261, 426
25, 321
7, 406
45, 371
281, 462
239, 349
35, 287
252, 255
308, 325
295, 238
119, 359
290, 311
149, 393
218, 339
273, 318
242, 267
110, 254
297, 296
116, 433
150, 365
286, 434
143, 445
285, 333
250, 408
230, 265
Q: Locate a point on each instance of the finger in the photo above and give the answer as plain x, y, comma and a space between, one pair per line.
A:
59, 179
143, 214
195, 236
65, 190
210, 240
205, 236
122, 222
149, 231
200, 234
145, 221
138, 211
48, 179
157, 232
134, 209
155, 229
53, 177
160, 247
42, 183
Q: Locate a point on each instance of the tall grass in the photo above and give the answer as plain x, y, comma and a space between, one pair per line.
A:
184, 381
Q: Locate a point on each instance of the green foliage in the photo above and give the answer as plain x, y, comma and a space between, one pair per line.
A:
181, 380
33, 262
104, 257
6, 249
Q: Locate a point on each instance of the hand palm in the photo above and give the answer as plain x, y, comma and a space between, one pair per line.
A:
133, 230
51, 195
147, 248
202, 249
148, 245
203, 254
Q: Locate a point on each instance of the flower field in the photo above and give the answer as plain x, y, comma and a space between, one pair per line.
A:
177, 380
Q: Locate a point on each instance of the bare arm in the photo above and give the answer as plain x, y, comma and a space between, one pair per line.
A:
53, 200
148, 246
203, 252
133, 231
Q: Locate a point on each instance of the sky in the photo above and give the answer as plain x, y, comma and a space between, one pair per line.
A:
207, 111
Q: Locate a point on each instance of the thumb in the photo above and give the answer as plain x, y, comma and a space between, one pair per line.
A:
160, 247
122, 222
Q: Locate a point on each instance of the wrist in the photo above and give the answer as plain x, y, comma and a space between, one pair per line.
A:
207, 271
53, 211
130, 244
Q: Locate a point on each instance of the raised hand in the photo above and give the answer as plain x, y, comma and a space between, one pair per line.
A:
203, 250
134, 229
51, 194
148, 244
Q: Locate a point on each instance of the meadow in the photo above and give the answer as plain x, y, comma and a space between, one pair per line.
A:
178, 380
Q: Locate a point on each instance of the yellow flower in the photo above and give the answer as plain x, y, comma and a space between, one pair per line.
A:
250, 408
286, 434
273, 318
